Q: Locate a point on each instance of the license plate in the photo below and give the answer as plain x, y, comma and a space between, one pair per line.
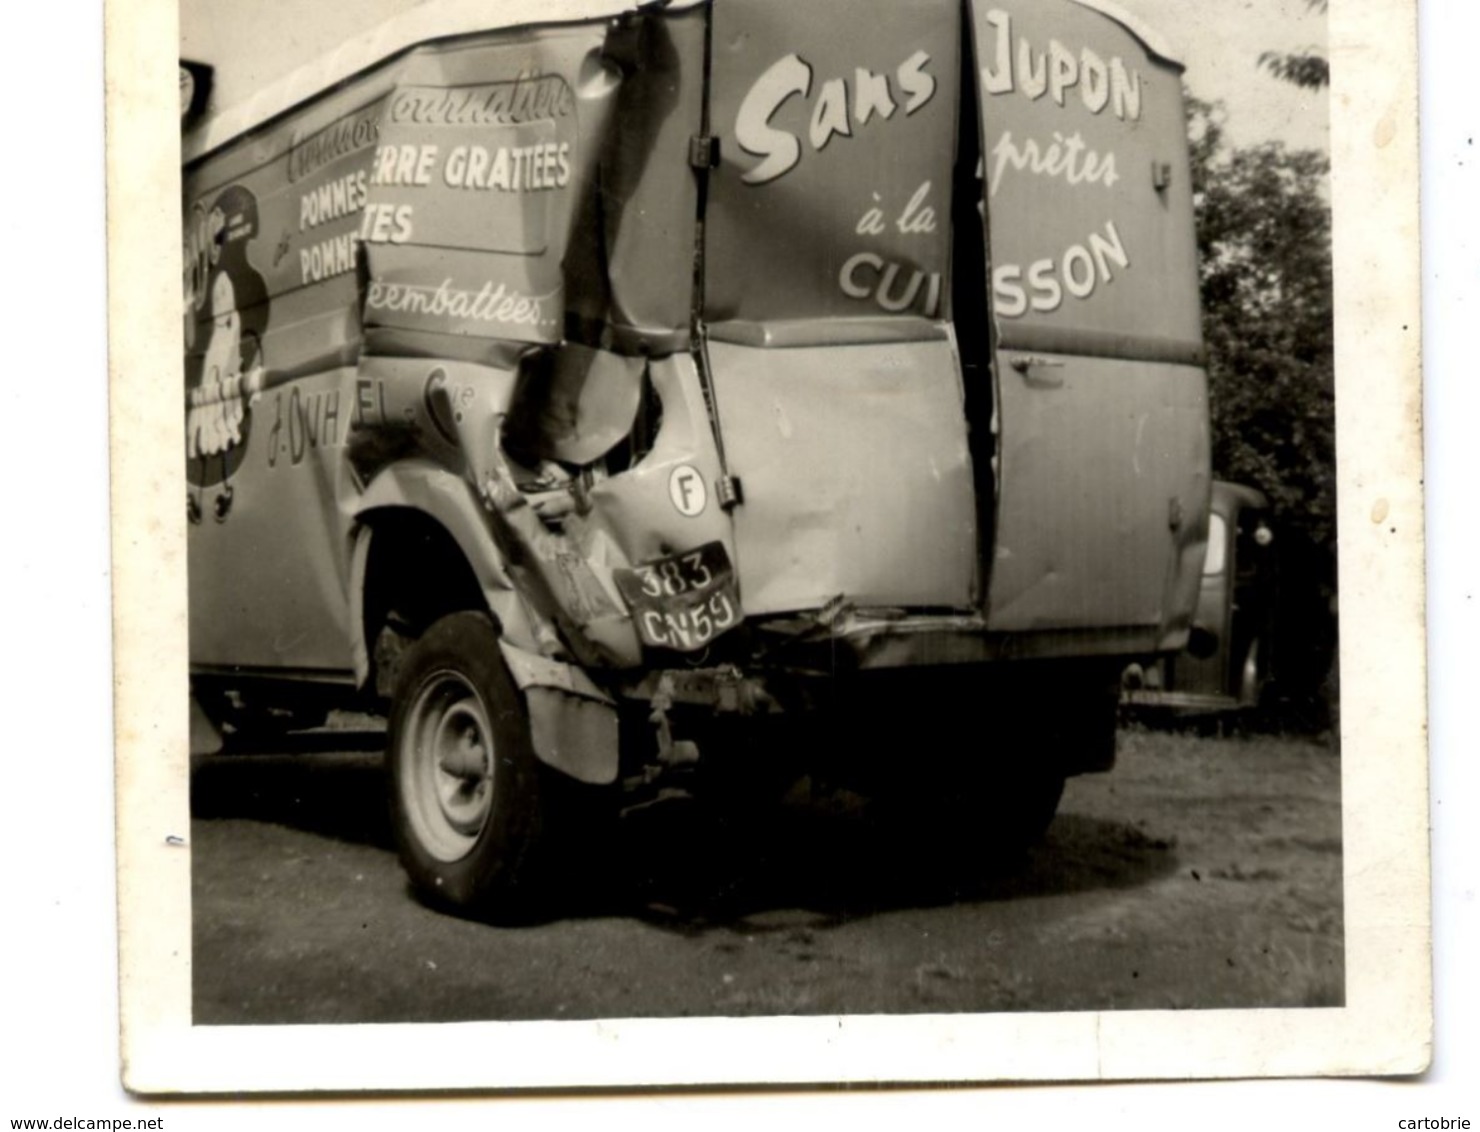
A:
684, 601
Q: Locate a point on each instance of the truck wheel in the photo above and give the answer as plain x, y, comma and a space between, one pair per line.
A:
982, 819
1020, 806
468, 796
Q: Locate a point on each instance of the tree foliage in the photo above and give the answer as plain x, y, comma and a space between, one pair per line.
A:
1264, 238
1307, 68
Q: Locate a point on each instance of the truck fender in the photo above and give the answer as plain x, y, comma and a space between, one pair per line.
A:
446, 498
572, 722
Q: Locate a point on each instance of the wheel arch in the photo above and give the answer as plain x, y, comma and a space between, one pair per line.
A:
420, 537
423, 549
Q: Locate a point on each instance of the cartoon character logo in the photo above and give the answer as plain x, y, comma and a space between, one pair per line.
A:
229, 315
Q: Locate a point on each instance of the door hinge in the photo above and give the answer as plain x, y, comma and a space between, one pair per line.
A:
727, 490
704, 151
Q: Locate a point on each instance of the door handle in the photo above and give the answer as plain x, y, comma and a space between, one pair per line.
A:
1031, 366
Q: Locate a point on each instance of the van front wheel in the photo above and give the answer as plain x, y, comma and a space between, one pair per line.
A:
468, 796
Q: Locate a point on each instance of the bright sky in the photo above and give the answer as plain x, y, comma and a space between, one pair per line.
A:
1220, 42
253, 41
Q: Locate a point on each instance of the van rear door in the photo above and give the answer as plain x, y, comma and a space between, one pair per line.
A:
827, 244
1103, 448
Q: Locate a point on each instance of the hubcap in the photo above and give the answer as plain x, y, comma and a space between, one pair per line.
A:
447, 768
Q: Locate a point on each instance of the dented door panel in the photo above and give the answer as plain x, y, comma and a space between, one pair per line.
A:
827, 245
1104, 487
856, 475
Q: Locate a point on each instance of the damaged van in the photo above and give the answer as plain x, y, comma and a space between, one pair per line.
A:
615, 395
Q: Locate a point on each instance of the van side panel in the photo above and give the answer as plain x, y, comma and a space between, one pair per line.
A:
429, 202
268, 560
487, 152
272, 336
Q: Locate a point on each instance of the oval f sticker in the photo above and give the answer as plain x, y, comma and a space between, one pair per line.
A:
687, 491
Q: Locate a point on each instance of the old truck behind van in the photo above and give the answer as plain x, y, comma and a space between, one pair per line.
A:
1227, 662
606, 392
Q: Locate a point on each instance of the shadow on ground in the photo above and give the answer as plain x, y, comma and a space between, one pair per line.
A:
835, 858
341, 795
828, 857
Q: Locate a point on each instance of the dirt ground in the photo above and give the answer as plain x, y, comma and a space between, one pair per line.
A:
1200, 873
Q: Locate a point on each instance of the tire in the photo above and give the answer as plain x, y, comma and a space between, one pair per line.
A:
983, 816
976, 827
980, 777
983, 813
469, 800
1018, 806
